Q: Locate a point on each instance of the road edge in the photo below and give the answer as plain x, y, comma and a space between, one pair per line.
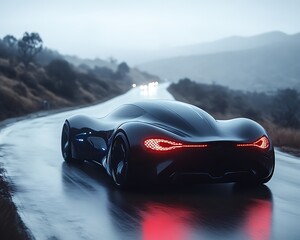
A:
11, 224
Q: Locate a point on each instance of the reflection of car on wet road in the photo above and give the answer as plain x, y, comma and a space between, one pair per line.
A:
169, 140
184, 212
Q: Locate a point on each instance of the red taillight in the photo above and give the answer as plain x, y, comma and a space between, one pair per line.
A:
166, 145
262, 143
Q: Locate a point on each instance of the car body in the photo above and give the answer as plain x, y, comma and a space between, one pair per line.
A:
164, 140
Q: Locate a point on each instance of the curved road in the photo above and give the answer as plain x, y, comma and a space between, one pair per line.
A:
58, 201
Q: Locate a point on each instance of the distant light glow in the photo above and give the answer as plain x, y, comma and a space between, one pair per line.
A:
166, 145
149, 89
134, 85
262, 143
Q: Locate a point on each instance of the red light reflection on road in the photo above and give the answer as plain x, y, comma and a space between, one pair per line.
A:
253, 221
258, 222
162, 222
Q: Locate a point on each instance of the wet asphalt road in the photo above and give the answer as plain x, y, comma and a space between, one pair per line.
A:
59, 201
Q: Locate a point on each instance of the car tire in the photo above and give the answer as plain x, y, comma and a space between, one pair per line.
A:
263, 181
66, 147
119, 160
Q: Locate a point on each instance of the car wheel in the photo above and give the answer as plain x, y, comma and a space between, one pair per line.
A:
66, 144
262, 181
119, 160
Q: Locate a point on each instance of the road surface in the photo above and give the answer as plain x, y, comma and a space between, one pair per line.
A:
58, 201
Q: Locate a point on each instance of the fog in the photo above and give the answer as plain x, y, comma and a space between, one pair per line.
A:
125, 29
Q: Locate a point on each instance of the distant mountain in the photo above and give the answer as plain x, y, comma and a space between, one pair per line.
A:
263, 63
232, 43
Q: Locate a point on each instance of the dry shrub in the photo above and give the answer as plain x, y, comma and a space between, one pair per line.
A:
4, 61
29, 79
20, 89
281, 136
8, 71
20, 67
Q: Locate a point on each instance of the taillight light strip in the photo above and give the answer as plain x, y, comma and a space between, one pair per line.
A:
262, 143
157, 144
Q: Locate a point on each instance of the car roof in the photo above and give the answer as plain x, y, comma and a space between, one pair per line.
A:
177, 114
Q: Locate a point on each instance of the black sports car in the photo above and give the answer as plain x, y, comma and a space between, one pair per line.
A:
169, 140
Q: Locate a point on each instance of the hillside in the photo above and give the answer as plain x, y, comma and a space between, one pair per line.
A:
264, 67
43, 88
50, 82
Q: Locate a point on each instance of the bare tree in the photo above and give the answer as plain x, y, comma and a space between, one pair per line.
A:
10, 41
63, 78
29, 46
122, 70
11, 44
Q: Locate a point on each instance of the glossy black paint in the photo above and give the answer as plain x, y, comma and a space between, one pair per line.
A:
221, 161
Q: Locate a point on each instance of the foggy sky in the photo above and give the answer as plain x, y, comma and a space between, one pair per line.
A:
98, 28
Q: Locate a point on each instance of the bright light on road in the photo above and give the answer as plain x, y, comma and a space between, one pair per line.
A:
149, 89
